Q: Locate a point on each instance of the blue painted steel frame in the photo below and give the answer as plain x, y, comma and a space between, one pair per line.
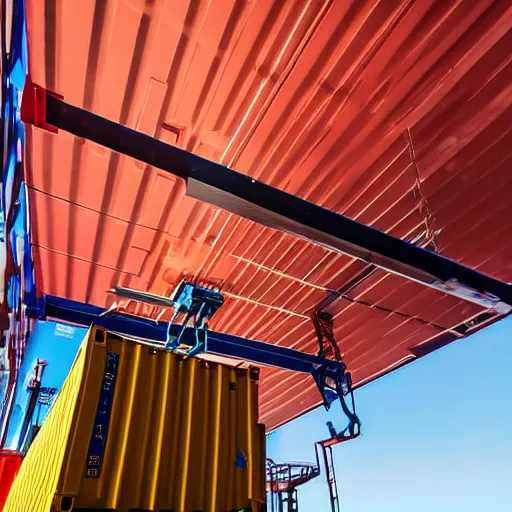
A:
331, 377
17, 266
217, 343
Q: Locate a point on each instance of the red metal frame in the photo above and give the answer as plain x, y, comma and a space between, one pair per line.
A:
33, 106
10, 462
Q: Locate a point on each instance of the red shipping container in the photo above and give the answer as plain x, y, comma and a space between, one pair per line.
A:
10, 462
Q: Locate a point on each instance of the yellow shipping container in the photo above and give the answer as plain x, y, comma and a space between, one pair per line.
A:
136, 427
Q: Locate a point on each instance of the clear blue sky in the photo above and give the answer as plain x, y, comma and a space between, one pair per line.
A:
58, 347
437, 435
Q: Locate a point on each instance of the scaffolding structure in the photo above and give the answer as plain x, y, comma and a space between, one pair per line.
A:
283, 480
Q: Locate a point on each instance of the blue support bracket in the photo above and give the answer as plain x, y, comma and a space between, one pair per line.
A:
331, 377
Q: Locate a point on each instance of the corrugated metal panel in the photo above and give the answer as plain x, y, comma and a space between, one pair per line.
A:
170, 439
394, 112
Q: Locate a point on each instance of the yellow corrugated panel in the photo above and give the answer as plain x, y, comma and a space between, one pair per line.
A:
37, 480
138, 427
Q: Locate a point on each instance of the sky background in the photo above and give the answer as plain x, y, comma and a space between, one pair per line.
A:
437, 435
56, 343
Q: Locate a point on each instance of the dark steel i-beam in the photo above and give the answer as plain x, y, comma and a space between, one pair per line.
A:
240, 194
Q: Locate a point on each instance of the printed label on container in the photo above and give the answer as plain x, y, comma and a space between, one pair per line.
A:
64, 331
102, 420
46, 395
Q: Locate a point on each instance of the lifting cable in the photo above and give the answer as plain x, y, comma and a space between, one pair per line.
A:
324, 328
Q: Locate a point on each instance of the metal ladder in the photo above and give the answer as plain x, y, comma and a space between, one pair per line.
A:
330, 474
